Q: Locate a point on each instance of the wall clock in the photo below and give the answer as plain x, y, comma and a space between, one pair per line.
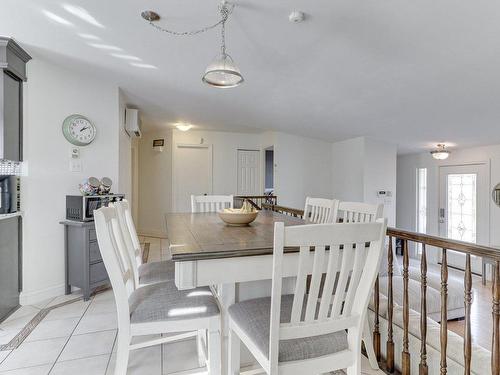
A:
79, 130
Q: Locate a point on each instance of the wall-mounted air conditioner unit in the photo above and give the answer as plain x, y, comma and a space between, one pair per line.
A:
132, 122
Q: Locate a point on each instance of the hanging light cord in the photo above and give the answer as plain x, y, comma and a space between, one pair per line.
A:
225, 10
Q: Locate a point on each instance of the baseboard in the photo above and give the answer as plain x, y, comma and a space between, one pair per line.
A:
33, 297
152, 233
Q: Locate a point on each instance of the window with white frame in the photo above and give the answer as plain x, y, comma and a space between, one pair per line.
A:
421, 226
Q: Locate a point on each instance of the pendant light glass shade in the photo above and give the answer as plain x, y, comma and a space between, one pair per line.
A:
441, 153
223, 73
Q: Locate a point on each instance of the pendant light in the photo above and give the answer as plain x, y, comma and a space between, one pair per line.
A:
223, 72
440, 153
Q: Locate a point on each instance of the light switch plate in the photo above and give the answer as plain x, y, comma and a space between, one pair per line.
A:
75, 165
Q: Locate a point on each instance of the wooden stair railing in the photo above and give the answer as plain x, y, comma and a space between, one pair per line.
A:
255, 200
469, 249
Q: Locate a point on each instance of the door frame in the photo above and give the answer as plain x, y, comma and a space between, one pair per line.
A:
259, 164
487, 208
175, 166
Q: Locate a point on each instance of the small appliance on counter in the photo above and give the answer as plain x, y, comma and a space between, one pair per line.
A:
8, 194
81, 207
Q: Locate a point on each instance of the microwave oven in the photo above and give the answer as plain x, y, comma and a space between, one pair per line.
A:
81, 207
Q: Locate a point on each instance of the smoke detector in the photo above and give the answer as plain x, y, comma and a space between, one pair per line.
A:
296, 16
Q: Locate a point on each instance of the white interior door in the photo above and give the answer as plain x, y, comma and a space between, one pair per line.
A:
192, 174
464, 208
248, 172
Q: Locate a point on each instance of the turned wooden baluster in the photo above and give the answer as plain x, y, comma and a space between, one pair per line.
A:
390, 308
376, 328
423, 369
495, 350
444, 312
406, 311
467, 305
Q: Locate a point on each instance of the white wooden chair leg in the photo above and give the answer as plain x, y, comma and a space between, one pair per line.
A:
200, 343
355, 369
122, 354
214, 352
233, 353
368, 340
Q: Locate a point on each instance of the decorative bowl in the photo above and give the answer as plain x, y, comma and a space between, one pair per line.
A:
238, 219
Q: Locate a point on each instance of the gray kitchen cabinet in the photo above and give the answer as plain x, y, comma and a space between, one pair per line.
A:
10, 259
84, 266
13, 61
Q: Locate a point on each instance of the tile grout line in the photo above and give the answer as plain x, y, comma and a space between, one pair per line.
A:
112, 348
69, 338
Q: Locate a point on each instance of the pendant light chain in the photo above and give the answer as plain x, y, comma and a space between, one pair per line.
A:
225, 10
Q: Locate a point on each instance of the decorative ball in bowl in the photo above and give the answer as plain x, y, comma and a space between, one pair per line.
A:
237, 218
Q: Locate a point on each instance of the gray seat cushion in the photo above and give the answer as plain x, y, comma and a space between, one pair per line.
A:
253, 316
155, 272
164, 302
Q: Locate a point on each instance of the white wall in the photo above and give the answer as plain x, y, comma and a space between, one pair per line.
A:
303, 168
124, 185
348, 170
406, 180
51, 94
155, 183
361, 167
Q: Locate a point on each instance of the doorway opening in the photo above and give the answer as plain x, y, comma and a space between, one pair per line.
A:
269, 171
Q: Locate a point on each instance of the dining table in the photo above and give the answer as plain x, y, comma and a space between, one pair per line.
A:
236, 261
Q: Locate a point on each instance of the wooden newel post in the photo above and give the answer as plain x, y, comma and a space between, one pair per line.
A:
390, 309
406, 311
376, 330
444, 312
423, 369
495, 350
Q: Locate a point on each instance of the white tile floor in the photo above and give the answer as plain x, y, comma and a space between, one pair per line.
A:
79, 338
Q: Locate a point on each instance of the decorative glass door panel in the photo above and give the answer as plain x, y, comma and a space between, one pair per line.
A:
463, 208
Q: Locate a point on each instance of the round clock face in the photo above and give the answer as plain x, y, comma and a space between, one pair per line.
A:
78, 130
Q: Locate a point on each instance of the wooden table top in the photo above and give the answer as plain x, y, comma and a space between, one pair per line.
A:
200, 236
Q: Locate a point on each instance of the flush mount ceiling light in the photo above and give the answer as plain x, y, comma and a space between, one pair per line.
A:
183, 127
222, 72
440, 153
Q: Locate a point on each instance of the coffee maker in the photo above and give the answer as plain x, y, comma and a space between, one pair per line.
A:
8, 194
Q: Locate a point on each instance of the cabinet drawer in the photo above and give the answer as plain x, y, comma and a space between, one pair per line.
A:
98, 273
92, 235
94, 252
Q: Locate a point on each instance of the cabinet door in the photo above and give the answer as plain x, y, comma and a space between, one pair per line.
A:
12, 131
9, 265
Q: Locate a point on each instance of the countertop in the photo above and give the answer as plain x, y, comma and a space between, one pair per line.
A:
8, 216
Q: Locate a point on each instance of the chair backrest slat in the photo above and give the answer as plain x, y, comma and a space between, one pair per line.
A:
210, 203
312, 300
358, 212
331, 278
359, 245
320, 210
300, 285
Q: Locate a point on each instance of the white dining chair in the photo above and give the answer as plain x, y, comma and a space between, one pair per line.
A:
360, 212
320, 210
153, 309
210, 203
317, 332
144, 273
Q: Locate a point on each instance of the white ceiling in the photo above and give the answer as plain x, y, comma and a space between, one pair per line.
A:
411, 72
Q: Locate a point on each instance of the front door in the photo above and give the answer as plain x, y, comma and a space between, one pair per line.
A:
463, 209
